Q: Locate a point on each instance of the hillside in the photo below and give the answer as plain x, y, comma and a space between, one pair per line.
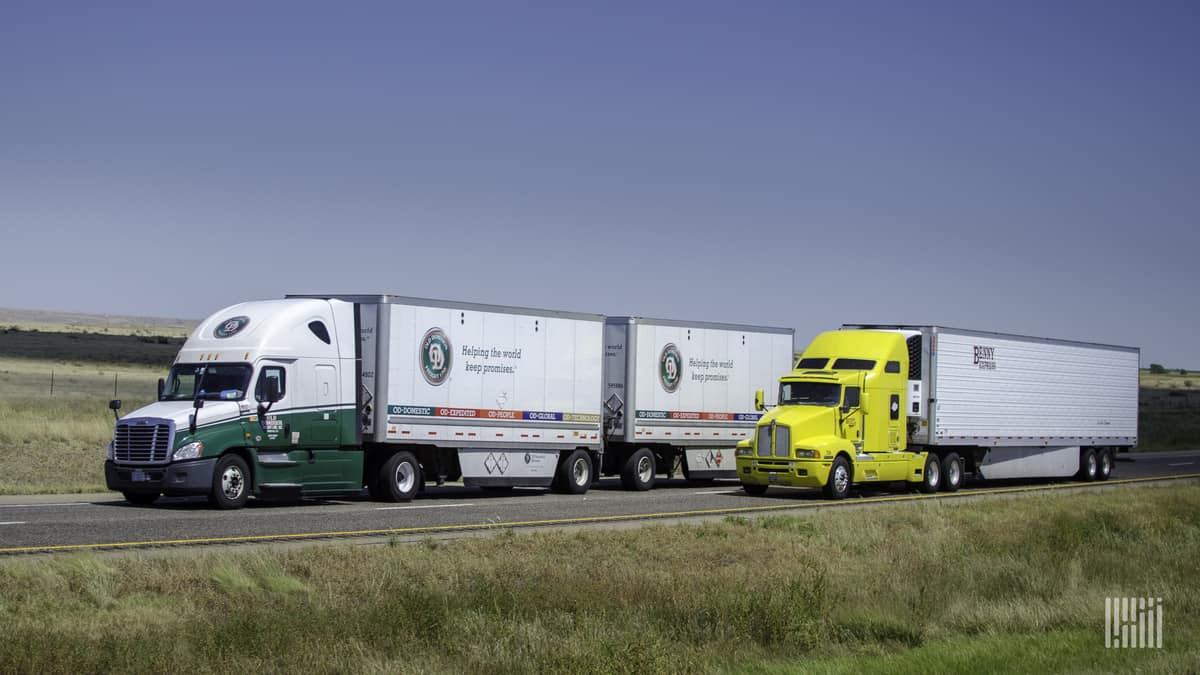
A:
109, 324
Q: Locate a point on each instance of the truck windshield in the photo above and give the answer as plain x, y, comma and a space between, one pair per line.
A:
209, 381
809, 393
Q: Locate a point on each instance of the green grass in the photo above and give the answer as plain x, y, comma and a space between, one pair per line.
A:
998, 586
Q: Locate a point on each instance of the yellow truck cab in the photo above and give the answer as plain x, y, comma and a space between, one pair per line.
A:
930, 405
840, 420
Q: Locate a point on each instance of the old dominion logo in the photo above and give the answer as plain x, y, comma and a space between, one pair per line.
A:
670, 368
435, 356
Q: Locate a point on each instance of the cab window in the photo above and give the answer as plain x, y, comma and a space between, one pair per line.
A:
276, 373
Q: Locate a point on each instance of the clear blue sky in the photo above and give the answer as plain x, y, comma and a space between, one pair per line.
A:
1029, 167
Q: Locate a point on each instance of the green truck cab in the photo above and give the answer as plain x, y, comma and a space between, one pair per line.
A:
841, 420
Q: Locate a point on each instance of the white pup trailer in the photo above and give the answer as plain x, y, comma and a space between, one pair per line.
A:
681, 394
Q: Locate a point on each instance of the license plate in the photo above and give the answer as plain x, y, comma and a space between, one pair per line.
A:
139, 477
772, 478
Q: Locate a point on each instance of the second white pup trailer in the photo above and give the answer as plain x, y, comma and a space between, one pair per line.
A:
681, 394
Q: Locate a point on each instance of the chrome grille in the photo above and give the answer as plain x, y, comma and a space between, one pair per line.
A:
783, 441
764, 441
143, 441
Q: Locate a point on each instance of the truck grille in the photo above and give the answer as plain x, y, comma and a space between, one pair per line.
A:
783, 441
143, 441
782, 445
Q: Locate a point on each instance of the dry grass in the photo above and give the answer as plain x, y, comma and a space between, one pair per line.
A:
1009, 585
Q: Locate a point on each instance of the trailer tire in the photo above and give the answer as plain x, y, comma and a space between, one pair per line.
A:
952, 472
639, 470
400, 477
1104, 465
931, 476
140, 498
754, 489
1088, 466
574, 475
840, 479
231, 482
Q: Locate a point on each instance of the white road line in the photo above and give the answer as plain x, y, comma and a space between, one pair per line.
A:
718, 492
34, 506
424, 506
1182, 464
14, 522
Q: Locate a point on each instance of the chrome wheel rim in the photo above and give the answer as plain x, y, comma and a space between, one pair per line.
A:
580, 471
405, 476
841, 479
232, 482
645, 469
954, 474
933, 474
1105, 465
1091, 465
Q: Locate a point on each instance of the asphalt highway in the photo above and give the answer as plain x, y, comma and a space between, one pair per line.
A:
65, 523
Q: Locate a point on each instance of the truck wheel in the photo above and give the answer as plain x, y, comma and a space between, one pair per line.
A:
952, 472
141, 498
838, 485
1104, 465
400, 477
1088, 466
638, 472
230, 487
574, 473
754, 489
931, 477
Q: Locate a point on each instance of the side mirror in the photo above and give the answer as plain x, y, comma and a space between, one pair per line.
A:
758, 400
115, 405
162, 384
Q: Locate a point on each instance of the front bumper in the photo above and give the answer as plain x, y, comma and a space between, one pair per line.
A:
183, 478
789, 472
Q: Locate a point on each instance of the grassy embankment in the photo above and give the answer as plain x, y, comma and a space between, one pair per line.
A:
53, 443
1008, 585
54, 393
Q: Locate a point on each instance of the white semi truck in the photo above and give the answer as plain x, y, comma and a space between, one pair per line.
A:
323, 395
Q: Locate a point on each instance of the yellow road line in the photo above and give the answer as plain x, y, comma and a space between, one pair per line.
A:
432, 529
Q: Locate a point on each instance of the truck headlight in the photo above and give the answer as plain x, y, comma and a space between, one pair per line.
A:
807, 454
743, 452
108, 452
190, 451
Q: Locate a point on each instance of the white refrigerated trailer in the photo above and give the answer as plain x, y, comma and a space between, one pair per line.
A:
680, 395
1013, 406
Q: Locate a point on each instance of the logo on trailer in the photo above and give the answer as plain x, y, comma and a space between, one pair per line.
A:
670, 367
435, 356
231, 327
985, 357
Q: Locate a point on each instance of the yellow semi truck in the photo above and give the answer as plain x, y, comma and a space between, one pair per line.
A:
930, 405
